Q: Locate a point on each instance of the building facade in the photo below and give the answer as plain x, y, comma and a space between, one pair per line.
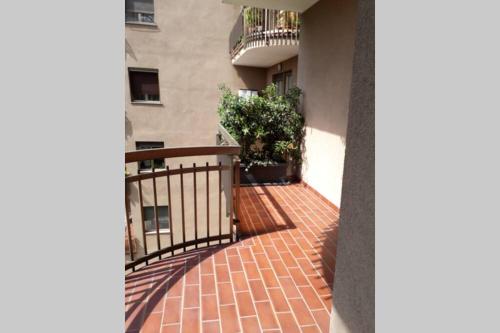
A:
179, 52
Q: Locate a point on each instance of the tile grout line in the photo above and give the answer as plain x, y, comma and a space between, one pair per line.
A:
309, 282
279, 282
260, 273
318, 275
200, 318
249, 290
290, 276
165, 299
312, 246
183, 296
232, 289
212, 257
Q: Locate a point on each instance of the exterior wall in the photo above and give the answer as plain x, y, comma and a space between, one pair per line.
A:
287, 65
189, 47
354, 286
324, 75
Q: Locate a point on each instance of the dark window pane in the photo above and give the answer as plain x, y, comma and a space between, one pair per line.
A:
288, 81
159, 164
147, 165
139, 5
139, 11
149, 218
144, 86
278, 81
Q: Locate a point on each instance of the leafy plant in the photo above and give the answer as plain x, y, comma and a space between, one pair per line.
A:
268, 127
251, 16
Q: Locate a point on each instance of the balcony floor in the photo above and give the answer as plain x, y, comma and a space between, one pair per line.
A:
277, 279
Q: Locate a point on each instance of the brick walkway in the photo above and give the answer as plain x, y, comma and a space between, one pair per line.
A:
277, 279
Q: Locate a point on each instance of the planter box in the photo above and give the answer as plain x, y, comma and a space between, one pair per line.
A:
282, 173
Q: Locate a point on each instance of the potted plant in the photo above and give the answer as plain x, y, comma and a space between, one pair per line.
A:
270, 131
253, 19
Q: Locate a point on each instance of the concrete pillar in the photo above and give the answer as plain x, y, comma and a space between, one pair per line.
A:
354, 285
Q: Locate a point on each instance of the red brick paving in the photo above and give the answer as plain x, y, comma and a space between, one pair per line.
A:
277, 279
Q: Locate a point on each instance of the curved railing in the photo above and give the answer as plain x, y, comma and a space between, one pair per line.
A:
264, 27
224, 166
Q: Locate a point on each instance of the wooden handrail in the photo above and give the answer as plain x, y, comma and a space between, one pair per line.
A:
226, 145
152, 154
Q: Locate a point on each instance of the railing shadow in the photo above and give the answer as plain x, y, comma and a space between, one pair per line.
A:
153, 282
156, 280
272, 224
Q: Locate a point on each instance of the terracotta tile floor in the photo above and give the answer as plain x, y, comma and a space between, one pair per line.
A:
277, 279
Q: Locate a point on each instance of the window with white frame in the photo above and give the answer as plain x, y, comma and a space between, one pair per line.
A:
247, 93
139, 11
150, 221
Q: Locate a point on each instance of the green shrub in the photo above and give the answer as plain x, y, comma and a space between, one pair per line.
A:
268, 127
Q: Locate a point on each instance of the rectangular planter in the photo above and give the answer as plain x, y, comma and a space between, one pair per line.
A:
281, 173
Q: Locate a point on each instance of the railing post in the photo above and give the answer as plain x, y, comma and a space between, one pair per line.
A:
236, 171
265, 26
129, 232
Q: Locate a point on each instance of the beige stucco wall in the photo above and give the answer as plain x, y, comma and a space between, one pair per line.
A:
189, 47
324, 75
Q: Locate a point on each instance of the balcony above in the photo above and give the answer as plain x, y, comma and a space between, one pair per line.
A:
264, 37
295, 5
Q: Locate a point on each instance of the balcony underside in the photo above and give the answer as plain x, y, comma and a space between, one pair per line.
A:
278, 278
295, 5
265, 56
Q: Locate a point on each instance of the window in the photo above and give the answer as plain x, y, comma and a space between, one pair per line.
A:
144, 85
283, 82
139, 11
148, 165
149, 218
246, 93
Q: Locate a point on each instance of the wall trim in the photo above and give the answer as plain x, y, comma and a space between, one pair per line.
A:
320, 196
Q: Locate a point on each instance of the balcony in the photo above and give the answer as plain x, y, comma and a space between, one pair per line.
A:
236, 259
295, 5
264, 37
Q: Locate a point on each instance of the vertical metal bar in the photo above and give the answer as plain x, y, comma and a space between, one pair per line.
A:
286, 27
266, 25
274, 26
142, 221
280, 28
156, 212
244, 41
237, 203
220, 203
170, 224
129, 232
261, 19
237, 187
195, 207
182, 207
208, 209
230, 201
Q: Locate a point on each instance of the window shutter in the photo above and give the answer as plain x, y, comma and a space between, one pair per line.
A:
143, 6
